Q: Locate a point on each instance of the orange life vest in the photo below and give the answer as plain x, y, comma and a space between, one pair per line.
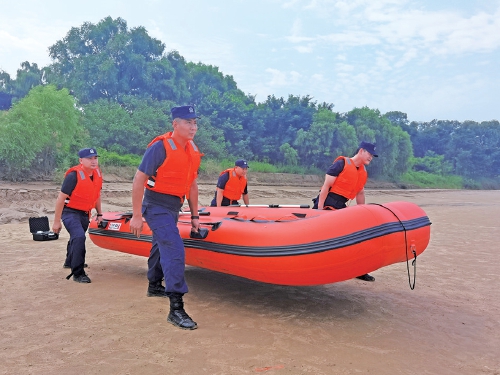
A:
351, 180
235, 185
178, 171
87, 191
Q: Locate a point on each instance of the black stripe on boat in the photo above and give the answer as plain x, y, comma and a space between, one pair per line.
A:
287, 250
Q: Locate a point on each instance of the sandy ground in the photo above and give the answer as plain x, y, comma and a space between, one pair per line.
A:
449, 324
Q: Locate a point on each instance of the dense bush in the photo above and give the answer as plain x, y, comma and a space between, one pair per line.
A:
38, 134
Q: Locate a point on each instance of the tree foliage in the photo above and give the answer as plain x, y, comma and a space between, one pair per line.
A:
325, 139
125, 84
107, 60
12, 90
470, 148
432, 163
38, 132
126, 126
393, 144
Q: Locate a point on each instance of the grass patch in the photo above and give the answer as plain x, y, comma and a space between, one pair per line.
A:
215, 167
432, 181
482, 184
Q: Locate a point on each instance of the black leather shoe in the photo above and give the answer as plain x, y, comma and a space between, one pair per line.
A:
181, 319
83, 278
156, 290
85, 265
366, 277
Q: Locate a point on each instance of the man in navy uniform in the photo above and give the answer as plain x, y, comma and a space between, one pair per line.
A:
166, 176
345, 179
80, 193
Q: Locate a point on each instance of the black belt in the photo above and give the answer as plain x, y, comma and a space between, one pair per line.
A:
76, 211
338, 198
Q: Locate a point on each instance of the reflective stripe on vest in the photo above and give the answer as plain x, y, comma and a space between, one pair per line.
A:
172, 144
194, 146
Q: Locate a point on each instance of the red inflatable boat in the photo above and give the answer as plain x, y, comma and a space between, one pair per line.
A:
287, 245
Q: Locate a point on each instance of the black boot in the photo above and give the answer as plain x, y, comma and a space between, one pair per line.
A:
156, 290
177, 316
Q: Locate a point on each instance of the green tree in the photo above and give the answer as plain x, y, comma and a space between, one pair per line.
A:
432, 136
179, 65
398, 118
126, 127
218, 98
325, 140
290, 155
278, 121
473, 149
38, 133
129, 126
392, 142
5, 94
432, 163
107, 60
27, 77
211, 140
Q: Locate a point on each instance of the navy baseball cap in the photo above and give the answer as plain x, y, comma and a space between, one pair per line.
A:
184, 112
87, 153
370, 147
241, 163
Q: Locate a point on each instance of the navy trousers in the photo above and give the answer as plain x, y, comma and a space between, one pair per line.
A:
76, 223
167, 256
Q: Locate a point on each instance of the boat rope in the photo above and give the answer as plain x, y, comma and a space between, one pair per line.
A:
412, 248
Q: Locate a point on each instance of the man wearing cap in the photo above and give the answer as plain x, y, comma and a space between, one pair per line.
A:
232, 185
80, 193
345, 179
166, 176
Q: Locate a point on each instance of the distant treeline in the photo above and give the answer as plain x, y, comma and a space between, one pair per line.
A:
112, 87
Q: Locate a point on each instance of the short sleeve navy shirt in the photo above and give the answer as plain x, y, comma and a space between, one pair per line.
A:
69, 183
153, 158
335, 169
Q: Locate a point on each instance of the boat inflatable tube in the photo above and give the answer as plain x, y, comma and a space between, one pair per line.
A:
287, 245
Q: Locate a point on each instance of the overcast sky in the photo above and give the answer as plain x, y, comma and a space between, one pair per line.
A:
432, 59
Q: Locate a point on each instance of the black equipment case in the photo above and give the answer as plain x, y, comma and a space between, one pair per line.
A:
39, 228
